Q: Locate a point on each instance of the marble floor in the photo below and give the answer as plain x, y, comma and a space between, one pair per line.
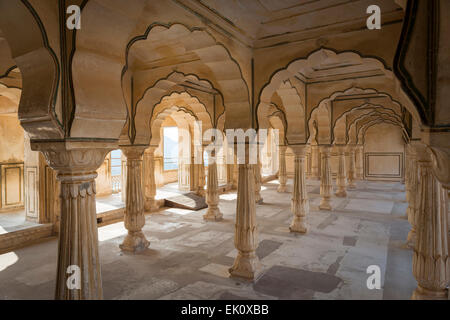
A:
189, 258
14, 221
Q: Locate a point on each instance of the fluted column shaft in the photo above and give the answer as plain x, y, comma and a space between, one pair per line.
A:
351, 168
134, 218
307, 163
201, 177
149, 180
359, 162
341, 179
78, 268
300, 202
258, 181
431, 262
412, 196
282, 176
315, 158
326, 187
212, 194
246, 264
235, 173
78, 238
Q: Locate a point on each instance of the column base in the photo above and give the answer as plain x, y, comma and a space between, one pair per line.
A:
201, 192
246, 266
325, 204
341, 193
298, 225
213, 214
282, 188
134, 242
151, 205
259, 200
314, 176
425, 294
351, 186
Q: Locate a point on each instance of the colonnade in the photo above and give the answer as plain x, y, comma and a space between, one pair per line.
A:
427, 210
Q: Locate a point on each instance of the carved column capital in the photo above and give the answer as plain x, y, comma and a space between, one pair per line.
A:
133, 152
441, 165
299, 150
351, 148
150, 150
325, 150
438, 145
341, 149
70, 158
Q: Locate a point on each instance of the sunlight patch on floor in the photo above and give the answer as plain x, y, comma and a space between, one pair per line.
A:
7, 260
181, 212
228, 196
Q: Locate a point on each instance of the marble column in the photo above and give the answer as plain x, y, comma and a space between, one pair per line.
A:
230, 168
212, 193
431, 261
134, 218
307, 163
412, 182
201, 178
149, 180
258, 181
235, 173
300, 202
341, 179
351, 168
315, 158
326, 187
246, 264
78, 266
282, 175
359, 162
193, 175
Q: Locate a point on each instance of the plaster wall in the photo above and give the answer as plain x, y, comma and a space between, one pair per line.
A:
384, 153
103, 181
12, 137
11, 163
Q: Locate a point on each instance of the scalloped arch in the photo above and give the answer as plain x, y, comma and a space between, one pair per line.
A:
226, 73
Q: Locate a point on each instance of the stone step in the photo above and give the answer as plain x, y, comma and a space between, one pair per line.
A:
189, 201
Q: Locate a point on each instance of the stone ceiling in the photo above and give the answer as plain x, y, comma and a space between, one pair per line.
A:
259, 21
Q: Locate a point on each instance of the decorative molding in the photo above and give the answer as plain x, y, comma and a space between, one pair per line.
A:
398, 175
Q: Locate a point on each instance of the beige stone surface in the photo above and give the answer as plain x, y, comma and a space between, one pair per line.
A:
366, 107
